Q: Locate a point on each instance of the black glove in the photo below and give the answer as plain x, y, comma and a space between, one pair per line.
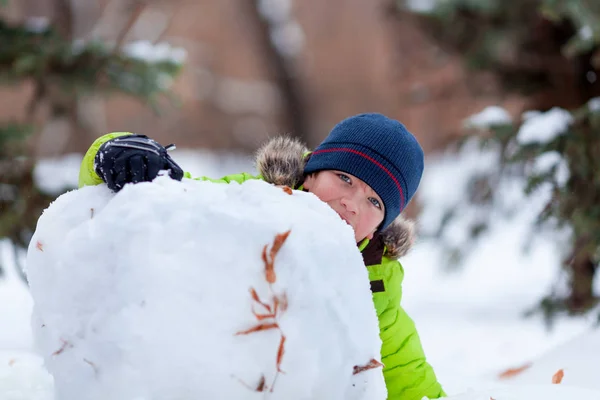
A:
133, 159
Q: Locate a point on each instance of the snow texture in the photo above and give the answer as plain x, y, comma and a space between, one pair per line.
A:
288, 38
586, 32
421, 6
140, 295
489, 117
57, 174
578, 371
155, 53
544, 127
552, 159
23, 377
594, 104
561, 374
286, 33
275, 11
530, 392
37, 24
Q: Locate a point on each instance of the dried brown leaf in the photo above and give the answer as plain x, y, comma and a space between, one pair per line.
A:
280, 352
262, 386
39, 245
280, 239
558, 376
269, 259
373, 363
511, 372
269, 267
287, 189
257, 299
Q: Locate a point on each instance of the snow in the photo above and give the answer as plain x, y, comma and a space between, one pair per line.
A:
544, 127
286, 33
275, 11
544, 163
578, 371
528, 392
577, 375
22, 377
155, 53
479, 305
489, 117
422, 6
470, 318
15, 305
586, 32
140, 295
446, 181
288, 38
54, 175
37, 24
594, 104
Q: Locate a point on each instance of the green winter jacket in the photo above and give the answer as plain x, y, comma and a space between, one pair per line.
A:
407, 374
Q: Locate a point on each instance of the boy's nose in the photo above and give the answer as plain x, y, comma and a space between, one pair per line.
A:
350, 205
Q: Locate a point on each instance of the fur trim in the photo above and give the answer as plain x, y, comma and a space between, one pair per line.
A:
281, 161
398, 237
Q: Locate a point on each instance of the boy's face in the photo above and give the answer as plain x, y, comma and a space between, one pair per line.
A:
354, 200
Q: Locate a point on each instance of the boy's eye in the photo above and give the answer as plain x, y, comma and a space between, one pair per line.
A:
375, 202
345, 178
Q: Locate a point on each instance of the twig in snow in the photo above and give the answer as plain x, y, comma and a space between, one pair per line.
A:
274, 310
65, 344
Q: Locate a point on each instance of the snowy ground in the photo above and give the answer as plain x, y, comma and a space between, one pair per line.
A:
470, 320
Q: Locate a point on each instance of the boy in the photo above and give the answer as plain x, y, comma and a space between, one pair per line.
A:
367, 170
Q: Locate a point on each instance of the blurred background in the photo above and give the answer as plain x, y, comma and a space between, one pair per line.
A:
503, 97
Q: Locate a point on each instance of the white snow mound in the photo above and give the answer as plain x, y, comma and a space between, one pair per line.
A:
530, 392
572, 359
146, 295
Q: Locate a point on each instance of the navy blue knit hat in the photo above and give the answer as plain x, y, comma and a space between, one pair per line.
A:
378, 150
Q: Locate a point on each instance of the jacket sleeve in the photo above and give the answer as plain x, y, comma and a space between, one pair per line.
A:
407, 374
89, 177
87, 172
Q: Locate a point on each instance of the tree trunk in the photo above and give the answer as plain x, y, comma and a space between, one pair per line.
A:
582, 270
289, 85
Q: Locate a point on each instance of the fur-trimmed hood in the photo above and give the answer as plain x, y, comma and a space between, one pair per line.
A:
281, 161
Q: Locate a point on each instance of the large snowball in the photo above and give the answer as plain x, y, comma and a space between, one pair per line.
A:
143, 295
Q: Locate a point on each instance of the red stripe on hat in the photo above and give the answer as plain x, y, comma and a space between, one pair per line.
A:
342, 149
